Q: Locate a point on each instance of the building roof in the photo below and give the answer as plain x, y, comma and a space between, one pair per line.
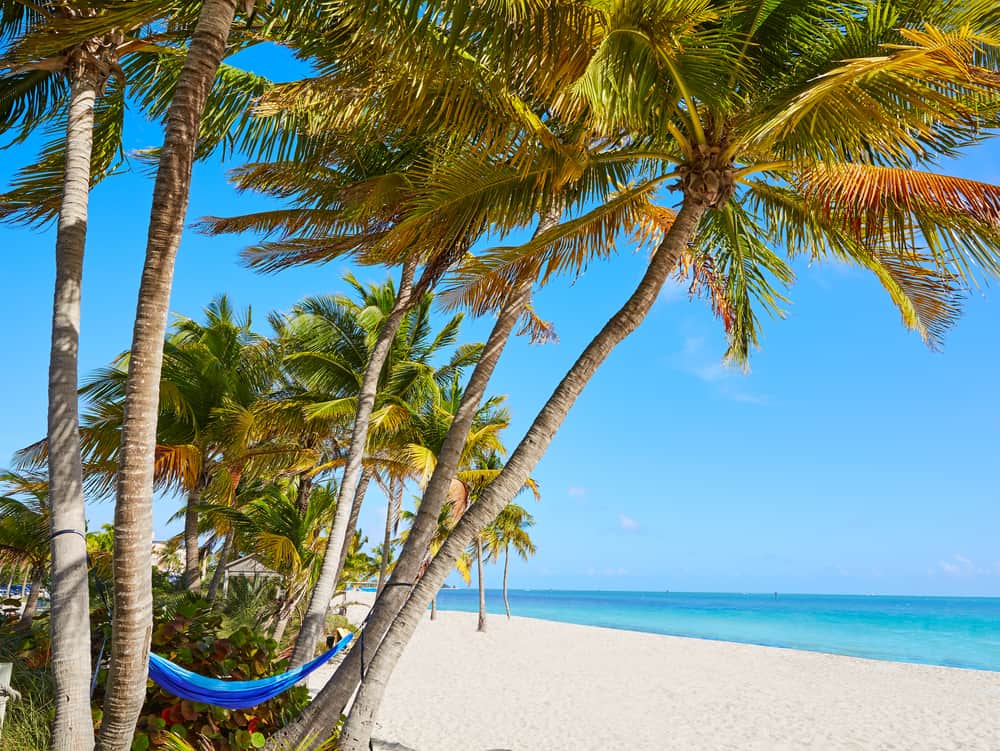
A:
248, 565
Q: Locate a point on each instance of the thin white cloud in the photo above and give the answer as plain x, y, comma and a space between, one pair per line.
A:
697, 360
628, 523
577, 491
952, 569
962, 565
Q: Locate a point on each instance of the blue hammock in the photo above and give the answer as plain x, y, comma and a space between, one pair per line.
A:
231, 694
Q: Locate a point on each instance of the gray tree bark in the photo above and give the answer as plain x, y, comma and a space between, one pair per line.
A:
314, 620
506, 564
393, 499
220, 567
31, 606
321, 716
357, 729
482, 588
192, 567
72, 726
352, 523
132, 564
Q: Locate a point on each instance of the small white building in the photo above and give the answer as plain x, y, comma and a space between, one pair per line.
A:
247, 567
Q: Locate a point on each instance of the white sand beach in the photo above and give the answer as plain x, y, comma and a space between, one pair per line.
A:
529, 685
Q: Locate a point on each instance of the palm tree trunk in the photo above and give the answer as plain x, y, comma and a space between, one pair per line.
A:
72, 726
506, 563
284, 615
31, 606
192, 571
303, 492
434, 608
358, 727
352, 523
321, 716
315, 617
132, 563
220, 568
391, 510
482, 589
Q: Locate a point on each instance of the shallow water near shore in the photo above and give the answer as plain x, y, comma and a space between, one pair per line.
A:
949, 631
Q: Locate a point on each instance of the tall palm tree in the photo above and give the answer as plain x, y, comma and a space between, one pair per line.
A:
132, 620
24, 531
509, 529
778, 164
39, 67
72, 61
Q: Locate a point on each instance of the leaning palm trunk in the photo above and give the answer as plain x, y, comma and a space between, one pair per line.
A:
72, 726
192, 571
315, 618
352, 523
358, 727
284, 614
506, 564
220, 567
31, 606
321, 716
482, 590
392, 510
132, 564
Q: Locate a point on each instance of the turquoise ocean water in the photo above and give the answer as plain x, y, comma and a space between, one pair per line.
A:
953, 631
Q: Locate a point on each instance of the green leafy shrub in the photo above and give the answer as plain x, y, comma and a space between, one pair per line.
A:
27, 724
204, 641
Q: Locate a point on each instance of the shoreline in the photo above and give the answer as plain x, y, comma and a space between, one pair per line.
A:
717, 640
529, 684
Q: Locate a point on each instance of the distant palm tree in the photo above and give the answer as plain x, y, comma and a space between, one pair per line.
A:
270, 525
329, 343
485, 468
509, 529
446, 522
212, 376
25, 531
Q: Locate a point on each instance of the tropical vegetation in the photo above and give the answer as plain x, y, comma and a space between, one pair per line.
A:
726, 139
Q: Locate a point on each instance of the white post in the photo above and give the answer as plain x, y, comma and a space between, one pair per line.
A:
5, 690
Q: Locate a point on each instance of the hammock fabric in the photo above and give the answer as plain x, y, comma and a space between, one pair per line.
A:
231, 694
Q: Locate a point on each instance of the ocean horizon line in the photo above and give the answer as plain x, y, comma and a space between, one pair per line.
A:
960, 632
766, 593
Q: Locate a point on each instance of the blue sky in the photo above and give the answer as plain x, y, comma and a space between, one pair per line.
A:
850, 459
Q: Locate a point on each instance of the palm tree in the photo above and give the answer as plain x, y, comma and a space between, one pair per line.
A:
24, 531
446, 522
330, 342
270, 525
484, 468
779, 163
35, 72
213, 375
74, 60
509, 529
132, 620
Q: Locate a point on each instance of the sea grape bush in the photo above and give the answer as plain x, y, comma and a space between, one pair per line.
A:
202, 640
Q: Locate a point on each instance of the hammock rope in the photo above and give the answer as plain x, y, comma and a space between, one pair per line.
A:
232, 694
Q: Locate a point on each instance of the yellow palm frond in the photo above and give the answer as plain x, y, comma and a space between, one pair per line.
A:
178, 466
958, 220
930, 93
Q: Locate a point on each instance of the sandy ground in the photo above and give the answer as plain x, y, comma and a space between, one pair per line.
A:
530, 685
